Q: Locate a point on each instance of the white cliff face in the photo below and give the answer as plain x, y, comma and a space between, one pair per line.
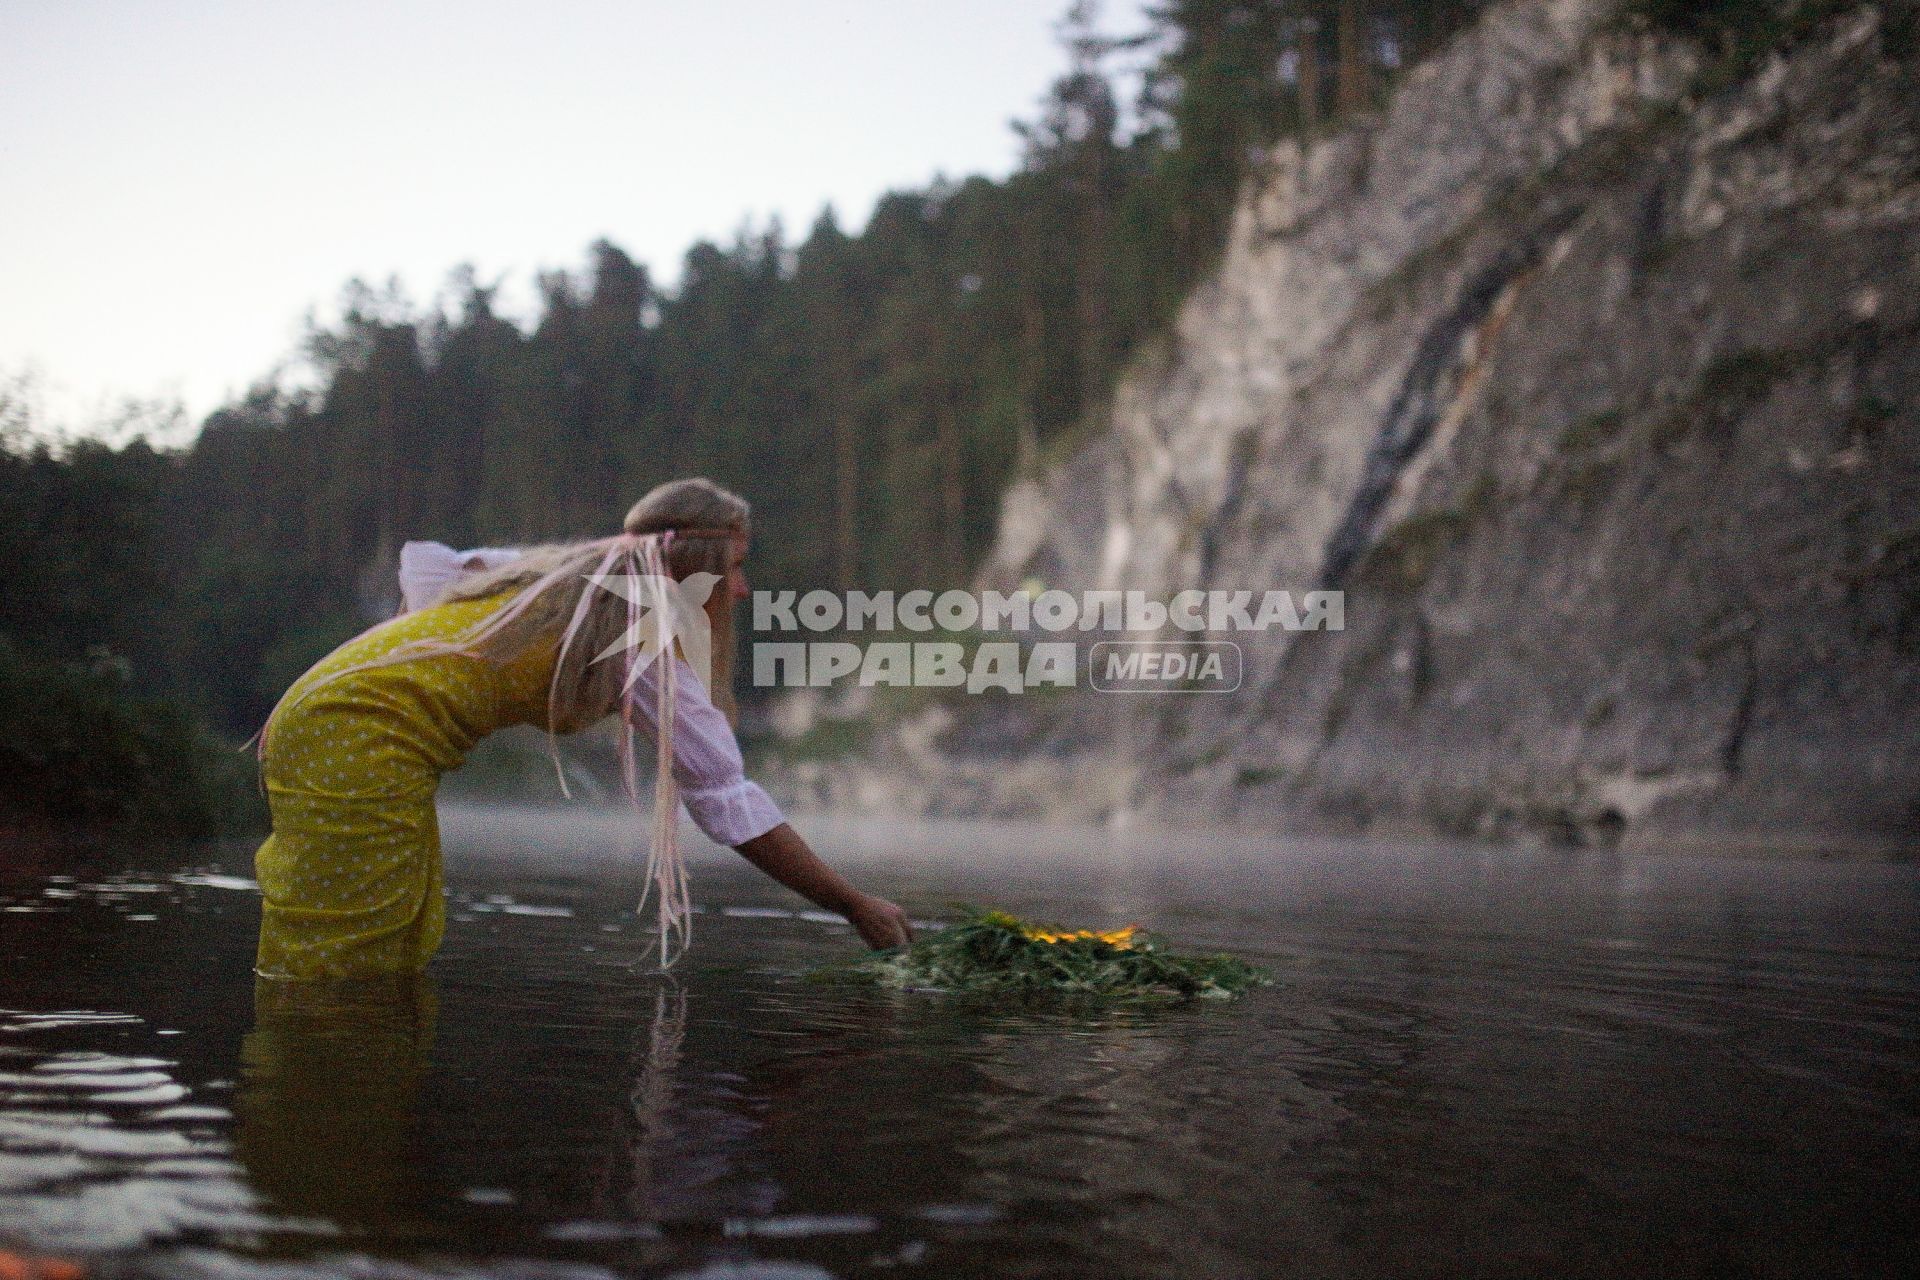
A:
1242, 389
1589, 373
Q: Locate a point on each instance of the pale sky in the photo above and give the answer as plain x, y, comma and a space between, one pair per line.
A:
180, 184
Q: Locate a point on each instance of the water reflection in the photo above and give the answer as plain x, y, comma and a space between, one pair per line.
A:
639, 1183
102, 1149
1514, 1063
328, 1107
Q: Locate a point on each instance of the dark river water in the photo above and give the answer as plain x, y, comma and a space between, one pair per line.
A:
1472, 1062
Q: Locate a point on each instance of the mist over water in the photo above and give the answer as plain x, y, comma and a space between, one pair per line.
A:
1473, 1061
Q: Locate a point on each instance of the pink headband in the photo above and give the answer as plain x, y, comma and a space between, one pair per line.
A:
693, 533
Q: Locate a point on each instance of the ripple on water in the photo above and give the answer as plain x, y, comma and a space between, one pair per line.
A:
96, 1152
214, 880
1461, 1056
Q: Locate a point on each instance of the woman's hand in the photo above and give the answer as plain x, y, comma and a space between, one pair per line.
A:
782, 854
881, 923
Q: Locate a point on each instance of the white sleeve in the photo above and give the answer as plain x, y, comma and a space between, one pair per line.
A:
722, 800
428, 568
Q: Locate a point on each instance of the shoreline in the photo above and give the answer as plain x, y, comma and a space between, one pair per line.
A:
1798, 848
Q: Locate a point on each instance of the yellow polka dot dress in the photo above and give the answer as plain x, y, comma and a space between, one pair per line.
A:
351, 877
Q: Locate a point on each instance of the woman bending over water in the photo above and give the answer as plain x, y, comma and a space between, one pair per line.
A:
353, 753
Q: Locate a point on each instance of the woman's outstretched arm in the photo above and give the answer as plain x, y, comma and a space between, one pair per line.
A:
782, 854
732, 810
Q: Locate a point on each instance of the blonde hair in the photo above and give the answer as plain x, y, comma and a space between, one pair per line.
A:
703, 517
679, 528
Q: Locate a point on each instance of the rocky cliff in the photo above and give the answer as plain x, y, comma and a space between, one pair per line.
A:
1587, 370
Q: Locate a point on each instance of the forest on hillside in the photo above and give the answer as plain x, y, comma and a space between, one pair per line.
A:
872, 392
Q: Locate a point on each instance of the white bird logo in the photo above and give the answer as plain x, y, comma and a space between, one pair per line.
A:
669, 611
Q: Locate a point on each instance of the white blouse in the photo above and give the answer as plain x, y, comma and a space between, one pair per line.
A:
429, 568
724, 803
730, 807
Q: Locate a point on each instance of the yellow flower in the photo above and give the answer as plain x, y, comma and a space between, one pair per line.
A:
1112, 937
